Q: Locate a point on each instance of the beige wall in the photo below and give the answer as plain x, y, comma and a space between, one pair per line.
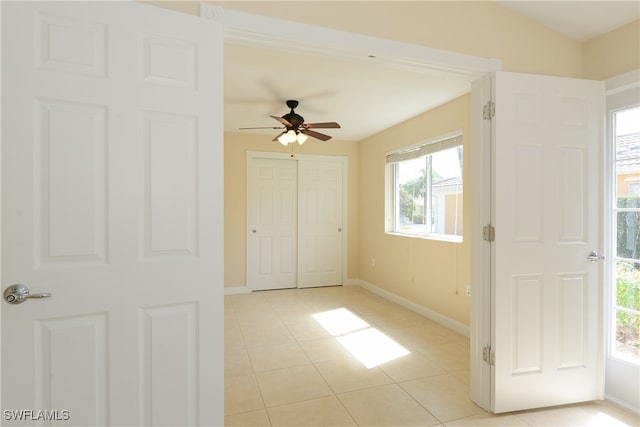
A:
432, 273
480, 28
613, 53
236, 146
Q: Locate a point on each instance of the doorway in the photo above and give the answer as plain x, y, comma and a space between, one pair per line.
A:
295, 221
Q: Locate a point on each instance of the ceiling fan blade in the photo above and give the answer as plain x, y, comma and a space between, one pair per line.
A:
263, 127
283, 121
326, 125
317, 135
276, 138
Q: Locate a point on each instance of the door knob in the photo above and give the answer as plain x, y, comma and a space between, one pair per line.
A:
594, 257
17, 294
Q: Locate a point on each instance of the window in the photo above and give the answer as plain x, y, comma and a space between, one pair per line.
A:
626, 226
424, 189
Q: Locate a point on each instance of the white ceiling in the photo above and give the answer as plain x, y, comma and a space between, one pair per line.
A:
367, 97
364, 98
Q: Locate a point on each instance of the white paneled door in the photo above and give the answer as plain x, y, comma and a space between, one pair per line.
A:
320, 223
294, 219
547, 319
112, 204
272, 221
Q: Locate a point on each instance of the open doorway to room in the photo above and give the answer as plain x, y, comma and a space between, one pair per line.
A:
407, 80
328, 80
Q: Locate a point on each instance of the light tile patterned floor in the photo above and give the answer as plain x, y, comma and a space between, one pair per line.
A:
282, 368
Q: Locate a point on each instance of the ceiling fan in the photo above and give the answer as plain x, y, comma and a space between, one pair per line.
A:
295, 129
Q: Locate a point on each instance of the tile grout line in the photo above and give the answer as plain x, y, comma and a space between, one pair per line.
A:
264, 404
390, 378
393, 381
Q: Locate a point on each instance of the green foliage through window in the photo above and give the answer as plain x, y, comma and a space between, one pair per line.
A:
428, 192
628, 297
628, 276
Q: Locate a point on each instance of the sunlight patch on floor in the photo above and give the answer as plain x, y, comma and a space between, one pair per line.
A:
372, 347
340, 321
603, 419
369, 345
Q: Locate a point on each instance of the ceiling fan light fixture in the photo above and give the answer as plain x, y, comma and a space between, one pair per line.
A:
302, 138
291, 136
283, 139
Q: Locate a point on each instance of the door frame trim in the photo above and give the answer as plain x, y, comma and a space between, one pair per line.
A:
344, 160
257, 30
482, 252
262, 31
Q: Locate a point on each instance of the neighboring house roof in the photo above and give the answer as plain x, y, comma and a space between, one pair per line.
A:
628, 153
456, 180
448, 186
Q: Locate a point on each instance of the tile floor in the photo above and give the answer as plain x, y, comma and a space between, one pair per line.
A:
282, 368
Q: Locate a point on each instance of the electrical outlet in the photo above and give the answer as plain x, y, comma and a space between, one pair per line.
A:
468, 291
373, 262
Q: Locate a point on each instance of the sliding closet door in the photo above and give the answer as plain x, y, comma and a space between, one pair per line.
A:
271, 222
320, 222
294, 222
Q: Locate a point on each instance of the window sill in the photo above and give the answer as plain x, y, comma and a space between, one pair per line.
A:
436, 237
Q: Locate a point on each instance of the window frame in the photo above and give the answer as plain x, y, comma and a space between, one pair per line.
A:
612, 224
426, 148
621, 94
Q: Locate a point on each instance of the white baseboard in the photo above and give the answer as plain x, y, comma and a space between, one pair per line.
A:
626, 405
461, 328
235, 290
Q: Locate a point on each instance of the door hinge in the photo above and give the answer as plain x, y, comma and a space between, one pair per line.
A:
489, 233
488, 355
489, 110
